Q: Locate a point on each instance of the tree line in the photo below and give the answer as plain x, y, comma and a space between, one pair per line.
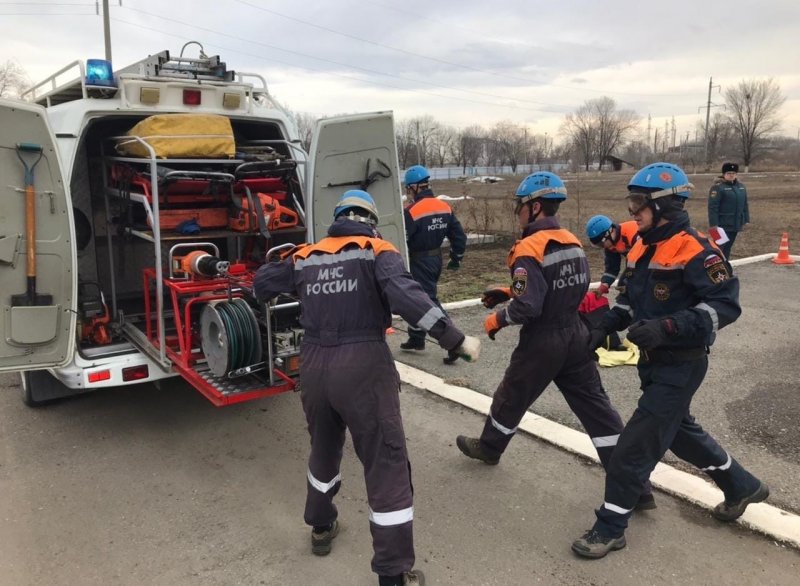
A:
591, 137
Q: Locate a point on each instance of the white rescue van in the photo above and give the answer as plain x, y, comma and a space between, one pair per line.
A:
124, 260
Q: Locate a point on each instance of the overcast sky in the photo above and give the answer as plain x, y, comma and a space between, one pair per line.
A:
462, 62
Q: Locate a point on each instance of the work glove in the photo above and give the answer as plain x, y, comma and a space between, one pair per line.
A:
494, 296
651, 333
492, 325
469, 350
598, 337
453, 265
601, 290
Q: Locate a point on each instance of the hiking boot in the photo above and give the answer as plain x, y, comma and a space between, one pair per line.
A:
413, 344
471, 446
414, 578
646, 503
321, 542
730, 511
595, 546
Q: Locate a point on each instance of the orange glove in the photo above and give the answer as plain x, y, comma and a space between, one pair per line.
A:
495, 295
492, 325
601, 290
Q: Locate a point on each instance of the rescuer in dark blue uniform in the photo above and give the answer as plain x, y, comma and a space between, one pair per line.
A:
549, 278
678, 290
428, 221
349, 283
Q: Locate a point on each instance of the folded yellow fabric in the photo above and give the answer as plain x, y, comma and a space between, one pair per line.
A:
619, 357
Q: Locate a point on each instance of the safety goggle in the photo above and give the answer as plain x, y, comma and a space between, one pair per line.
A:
637, 202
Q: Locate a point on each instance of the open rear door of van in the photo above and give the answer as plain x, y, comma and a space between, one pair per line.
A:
38, 276
356, 152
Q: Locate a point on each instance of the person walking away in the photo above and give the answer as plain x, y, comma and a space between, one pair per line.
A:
678, 291
616, 241
428, 222
549, 278
727, 206
349, 283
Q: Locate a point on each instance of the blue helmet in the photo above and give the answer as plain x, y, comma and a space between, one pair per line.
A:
541, 184
661, 179
597, 227
356, 199
416, 174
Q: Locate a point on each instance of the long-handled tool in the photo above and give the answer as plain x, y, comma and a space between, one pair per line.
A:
30, 297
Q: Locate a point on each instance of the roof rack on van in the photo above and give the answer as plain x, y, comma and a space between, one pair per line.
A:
159, 66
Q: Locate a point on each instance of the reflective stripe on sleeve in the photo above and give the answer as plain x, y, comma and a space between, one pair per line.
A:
500, 427
725, 466
616, 509
323, 487
392, 517
712, 313
427, 321
605, 441
610, 276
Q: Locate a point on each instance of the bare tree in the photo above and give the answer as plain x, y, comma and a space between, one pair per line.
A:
510, 140
442, 145
720, 135
613, 126
581, 131
753, 109
13, 79
470, 146
305, 122
425, 129
406, 143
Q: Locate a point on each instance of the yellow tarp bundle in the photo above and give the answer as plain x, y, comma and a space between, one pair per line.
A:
176, 136
619, 357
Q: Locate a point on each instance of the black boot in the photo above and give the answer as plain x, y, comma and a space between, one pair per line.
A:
413, 344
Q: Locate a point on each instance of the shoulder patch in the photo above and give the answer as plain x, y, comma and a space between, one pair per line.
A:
519, 282
713, 193
716, 269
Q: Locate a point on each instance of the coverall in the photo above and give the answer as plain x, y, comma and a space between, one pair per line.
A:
728, 209
349, 284
550, 276
628, 234
428, 221
673, 272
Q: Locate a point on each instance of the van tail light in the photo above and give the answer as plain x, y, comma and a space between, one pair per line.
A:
135, 372
99, 375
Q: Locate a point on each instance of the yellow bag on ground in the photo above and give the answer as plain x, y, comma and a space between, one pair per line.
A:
619, 357
176, 136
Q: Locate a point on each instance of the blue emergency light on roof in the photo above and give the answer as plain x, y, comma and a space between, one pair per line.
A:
99, 72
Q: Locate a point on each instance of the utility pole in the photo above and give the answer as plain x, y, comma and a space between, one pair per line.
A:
708, 119
419, 159
106, 30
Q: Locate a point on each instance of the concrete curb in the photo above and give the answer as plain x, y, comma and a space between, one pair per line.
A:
761, 517
594, 285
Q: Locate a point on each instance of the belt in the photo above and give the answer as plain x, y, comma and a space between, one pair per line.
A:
673, 355
423, 253
335, 338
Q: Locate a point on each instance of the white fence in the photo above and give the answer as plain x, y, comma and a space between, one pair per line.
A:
456, 172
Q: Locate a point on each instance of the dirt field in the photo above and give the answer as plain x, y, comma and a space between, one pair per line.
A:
774, 200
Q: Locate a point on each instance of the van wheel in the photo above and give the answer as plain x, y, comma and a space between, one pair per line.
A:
39, 388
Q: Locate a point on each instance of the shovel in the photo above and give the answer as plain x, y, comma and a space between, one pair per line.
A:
30, 297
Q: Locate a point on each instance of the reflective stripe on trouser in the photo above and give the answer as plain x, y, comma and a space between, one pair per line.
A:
660, 422
355, 386
552, 354
426, 271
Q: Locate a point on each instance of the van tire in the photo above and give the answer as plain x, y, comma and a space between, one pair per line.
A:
40, 388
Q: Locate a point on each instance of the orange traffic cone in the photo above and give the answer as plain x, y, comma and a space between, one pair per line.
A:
783, 257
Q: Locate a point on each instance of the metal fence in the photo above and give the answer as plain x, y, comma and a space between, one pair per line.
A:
456, 172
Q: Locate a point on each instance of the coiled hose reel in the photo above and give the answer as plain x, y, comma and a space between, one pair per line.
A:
229, 336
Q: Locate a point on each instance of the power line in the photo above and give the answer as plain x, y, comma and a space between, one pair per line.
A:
271, 60
277, 48
436, 59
